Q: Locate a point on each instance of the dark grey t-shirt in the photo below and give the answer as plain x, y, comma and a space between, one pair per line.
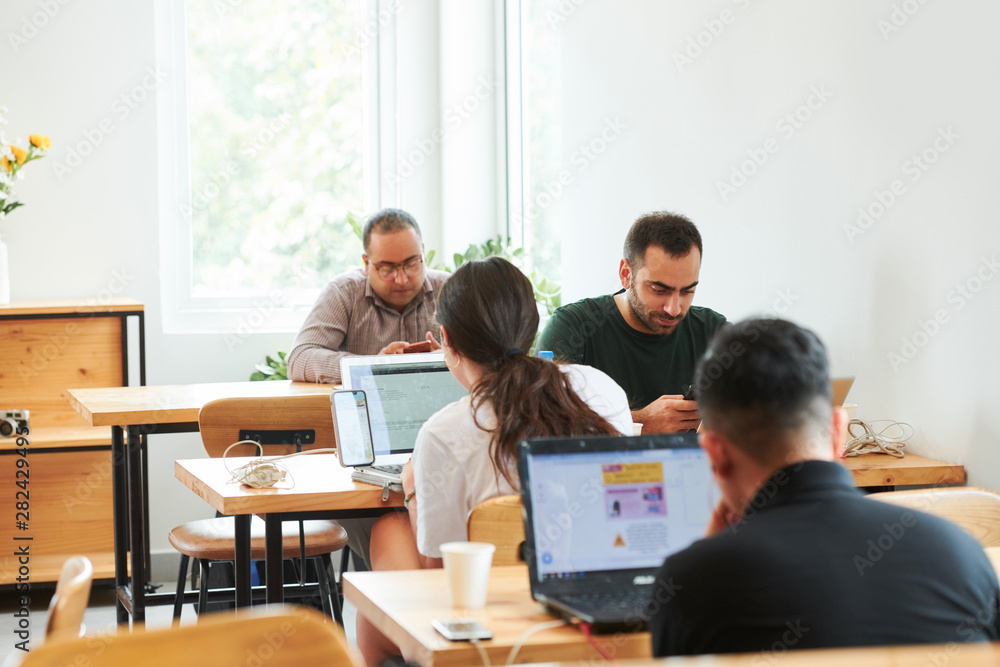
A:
647, 366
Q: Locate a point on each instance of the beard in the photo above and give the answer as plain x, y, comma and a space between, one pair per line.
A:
658, 322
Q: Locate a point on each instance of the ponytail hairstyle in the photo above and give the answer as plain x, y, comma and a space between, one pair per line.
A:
488, 309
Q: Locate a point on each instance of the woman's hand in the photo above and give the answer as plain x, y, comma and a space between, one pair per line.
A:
406, 477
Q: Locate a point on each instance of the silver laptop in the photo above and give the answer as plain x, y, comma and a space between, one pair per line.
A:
403, 391
602, 513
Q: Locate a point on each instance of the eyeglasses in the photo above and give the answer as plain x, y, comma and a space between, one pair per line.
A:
411, 267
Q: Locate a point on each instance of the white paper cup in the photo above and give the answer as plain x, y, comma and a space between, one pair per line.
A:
467, 566
636, 428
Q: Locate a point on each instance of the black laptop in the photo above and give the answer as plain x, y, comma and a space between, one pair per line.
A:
601, 515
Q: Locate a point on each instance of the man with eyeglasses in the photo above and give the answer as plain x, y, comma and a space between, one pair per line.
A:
379, 309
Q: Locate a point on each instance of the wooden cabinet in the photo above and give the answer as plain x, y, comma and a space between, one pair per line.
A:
47, 347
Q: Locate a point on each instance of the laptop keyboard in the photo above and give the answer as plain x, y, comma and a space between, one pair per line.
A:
393, 469
627, 600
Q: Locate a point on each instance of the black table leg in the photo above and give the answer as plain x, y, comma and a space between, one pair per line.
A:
137, 546
242, 560
272, 558
148, 574
119, 485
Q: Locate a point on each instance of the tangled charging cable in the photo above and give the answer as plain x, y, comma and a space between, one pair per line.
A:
887, 440
261, 472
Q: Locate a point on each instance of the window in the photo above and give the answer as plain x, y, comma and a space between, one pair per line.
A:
263, 153
535, 141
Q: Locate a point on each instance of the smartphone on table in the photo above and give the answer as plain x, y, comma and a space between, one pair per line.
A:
461, 629
353, 428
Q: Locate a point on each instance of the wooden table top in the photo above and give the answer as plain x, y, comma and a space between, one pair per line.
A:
402, 604
885, 470
57, 306
173, 404
318, 482
926, 655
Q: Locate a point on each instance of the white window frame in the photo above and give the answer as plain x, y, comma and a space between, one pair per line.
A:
261, 312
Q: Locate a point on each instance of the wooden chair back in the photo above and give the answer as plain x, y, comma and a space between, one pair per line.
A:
499, 521
221, 421
275, 635
69, 602
975, 510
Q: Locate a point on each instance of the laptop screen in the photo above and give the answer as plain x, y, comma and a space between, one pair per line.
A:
402, 394
593, 508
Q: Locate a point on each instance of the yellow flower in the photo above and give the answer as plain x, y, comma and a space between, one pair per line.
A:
19, 154
40, 141
6, 164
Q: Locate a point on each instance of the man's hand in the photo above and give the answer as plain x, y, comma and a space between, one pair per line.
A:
668, 414
722, 518
395, 347
398, 346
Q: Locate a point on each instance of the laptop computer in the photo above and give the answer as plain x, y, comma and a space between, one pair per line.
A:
601, 515
403, 391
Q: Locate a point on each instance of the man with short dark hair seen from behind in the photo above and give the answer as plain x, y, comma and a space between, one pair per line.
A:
796, 556
378, 309
647, 336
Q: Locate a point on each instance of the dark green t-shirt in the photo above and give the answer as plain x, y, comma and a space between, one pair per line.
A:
647, 366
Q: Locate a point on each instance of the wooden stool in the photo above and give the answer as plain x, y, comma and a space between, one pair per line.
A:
214, 540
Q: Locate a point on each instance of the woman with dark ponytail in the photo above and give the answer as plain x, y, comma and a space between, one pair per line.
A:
465, 453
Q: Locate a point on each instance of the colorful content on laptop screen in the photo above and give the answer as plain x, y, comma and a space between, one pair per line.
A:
401, 397
617, 510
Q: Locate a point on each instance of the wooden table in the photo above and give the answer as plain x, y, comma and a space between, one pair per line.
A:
402, 603
888, 471
319, 488
133, 413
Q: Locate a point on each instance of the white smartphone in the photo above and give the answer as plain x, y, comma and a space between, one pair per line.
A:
353, 428
461, 629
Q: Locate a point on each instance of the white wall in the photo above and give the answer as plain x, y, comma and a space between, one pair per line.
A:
783, 232
78, 232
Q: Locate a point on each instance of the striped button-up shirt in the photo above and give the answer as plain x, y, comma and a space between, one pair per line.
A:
350, 318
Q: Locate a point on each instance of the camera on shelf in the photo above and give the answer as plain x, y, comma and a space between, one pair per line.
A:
13, 422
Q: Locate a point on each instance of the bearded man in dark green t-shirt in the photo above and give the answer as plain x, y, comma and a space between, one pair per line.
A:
647, 337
